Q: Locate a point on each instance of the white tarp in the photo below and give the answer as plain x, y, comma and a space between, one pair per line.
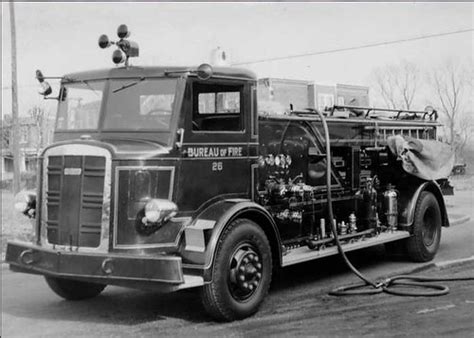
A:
426, 159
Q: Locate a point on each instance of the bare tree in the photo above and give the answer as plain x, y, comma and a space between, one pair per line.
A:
398, 84
385, 86
450, 84
407, 82
41, 120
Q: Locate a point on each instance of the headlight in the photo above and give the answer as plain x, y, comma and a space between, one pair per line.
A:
159, 211
25, 202
154, 215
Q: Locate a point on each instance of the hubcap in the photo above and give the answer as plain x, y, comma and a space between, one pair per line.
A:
245, 272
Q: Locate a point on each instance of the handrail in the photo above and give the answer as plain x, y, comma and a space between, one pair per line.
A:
433, 115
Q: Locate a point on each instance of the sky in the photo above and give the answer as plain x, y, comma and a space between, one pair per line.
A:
60, 38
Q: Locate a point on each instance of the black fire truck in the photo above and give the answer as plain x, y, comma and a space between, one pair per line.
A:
167, 178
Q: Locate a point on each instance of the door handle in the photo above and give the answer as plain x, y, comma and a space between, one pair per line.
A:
180, 133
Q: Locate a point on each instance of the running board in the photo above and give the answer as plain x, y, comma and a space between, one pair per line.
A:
303, 254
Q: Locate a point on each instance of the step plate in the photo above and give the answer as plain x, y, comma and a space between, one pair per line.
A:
303, 254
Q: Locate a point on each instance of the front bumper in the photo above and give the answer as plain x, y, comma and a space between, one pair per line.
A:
160, 272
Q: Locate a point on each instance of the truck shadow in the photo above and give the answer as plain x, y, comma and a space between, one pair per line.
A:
332, 267
132, 307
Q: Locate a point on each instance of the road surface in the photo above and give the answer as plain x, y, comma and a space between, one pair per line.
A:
297, 304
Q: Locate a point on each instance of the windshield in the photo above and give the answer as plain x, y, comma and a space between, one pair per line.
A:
140, 104
79, 108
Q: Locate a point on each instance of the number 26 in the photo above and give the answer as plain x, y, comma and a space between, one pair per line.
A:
217, 166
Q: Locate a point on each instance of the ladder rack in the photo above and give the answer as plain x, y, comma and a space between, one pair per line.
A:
402, 114
419, 132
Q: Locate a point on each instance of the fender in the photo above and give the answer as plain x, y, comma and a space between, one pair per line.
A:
216, 217
408, 203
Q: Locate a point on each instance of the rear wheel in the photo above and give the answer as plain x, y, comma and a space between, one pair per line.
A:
241, 273
424, 243
74, 290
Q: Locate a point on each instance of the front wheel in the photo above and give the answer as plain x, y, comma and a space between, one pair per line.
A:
424, 243
241, 273
72, 289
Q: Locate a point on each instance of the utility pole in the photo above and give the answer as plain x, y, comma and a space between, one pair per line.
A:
15, 135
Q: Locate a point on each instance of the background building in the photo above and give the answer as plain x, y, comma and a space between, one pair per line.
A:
276, 95
352, 95
35, 133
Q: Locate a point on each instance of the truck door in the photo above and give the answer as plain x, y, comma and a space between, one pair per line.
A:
216, 152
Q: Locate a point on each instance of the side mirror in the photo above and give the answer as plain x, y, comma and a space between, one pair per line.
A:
39, 76
45, 88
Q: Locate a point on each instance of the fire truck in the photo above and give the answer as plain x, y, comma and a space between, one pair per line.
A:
167, 178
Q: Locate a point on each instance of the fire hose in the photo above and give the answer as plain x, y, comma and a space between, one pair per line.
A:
387, 285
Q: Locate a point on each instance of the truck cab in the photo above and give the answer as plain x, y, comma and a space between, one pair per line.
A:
138, 154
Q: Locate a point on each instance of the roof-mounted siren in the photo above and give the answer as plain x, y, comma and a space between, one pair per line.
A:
219, 57
125, 48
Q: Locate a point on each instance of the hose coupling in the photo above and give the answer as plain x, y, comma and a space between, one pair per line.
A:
383, 283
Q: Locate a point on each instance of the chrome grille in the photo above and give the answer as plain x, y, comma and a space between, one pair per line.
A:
74, 198
76, 192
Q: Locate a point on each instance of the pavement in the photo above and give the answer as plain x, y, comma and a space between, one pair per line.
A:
298, 303
455, 219
459, 213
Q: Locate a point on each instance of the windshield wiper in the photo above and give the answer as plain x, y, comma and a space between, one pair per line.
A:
84, 82
128, 85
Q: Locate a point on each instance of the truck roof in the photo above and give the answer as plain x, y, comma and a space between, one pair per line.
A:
151, 71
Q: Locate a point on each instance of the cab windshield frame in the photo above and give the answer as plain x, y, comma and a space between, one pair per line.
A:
119, 88
165, 136
94, 86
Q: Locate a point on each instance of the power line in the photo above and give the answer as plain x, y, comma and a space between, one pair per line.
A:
336, 50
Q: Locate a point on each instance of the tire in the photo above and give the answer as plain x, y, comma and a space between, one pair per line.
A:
424, 243
241, 273
74, 290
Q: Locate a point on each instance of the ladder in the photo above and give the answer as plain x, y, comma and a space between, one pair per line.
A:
429, 114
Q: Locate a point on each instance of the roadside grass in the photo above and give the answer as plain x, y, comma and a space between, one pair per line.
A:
15, 226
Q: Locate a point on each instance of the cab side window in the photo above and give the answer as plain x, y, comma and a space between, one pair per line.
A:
217, 107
